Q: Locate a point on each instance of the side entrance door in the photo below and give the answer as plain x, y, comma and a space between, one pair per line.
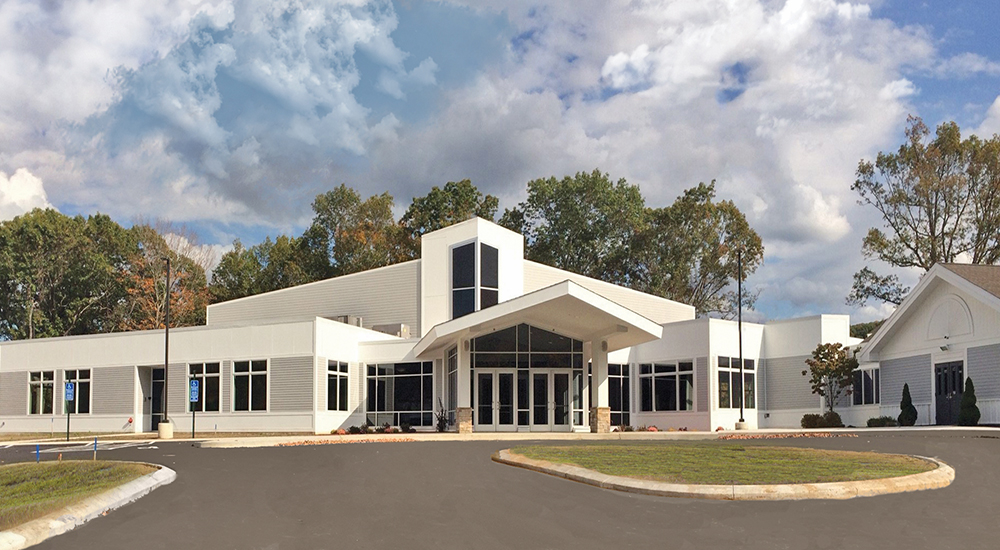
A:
156, 403
949, 381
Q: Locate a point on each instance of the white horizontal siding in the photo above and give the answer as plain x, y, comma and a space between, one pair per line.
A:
785, 388
984, 369
112, 391
291, 380
660, 310
380, 297
14, 393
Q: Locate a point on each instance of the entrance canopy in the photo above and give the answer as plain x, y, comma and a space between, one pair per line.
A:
565, 308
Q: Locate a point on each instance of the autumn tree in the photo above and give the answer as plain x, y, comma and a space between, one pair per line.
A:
270, 265
831, 372
939, 200
687, 252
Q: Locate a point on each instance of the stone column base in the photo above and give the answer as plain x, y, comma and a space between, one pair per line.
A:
600, 420
463, 417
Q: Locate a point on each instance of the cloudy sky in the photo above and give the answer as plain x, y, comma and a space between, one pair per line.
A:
229, 116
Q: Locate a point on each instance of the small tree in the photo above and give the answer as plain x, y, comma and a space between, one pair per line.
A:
969, 414
907, 412
831, 372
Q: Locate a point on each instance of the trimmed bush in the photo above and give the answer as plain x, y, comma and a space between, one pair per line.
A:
832, 420
882, 422
969, 414
907, 412
811, 421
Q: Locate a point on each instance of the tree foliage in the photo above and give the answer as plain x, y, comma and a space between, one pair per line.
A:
688, 252
939, 199
831, 372
864, 330
62, 275
441, 207
587, 224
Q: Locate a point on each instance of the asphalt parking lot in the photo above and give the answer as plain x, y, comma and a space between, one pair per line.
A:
438, 495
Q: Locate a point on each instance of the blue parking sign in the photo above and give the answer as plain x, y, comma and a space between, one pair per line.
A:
70, 391
194, 391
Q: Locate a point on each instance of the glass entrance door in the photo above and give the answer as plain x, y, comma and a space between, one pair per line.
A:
551, 401
495, 399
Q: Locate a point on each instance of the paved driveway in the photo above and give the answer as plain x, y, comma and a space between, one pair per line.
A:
450, 495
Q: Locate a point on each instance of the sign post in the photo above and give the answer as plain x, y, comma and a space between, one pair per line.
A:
70, 397
195, 394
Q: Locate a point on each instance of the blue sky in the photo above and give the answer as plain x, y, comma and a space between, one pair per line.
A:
229, 116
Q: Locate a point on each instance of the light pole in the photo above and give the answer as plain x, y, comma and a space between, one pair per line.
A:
165, 428
742, 424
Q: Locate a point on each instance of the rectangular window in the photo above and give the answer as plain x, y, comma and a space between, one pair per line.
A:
209, 385
81, 402
667, 387
336, 386
866, 387
489, 276
401, 393
463, 280
731, 387
250, 385
40, 388
452, 384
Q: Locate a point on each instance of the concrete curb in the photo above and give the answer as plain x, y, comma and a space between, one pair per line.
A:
71, 517
942, 476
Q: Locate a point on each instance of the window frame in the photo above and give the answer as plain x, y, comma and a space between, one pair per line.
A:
664, 370
477, 287
372, 410
341, 372
862, 395
40, 384
249, 374
203, 387
749, 373
76, 389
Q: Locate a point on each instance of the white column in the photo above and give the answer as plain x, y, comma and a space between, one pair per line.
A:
464, 370
599, 365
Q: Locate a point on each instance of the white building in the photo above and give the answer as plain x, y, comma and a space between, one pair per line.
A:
471, 330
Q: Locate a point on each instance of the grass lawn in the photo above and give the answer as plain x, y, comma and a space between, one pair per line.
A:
728, 464
29, 491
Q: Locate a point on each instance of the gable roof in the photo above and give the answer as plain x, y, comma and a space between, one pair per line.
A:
986, 277
982, 282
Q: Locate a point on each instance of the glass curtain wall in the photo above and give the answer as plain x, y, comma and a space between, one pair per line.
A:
401, 393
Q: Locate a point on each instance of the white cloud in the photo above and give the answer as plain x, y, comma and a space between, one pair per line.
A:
965, 65
991, 123
20, 193
624, 70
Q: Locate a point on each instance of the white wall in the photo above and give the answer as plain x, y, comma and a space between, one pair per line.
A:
435, 266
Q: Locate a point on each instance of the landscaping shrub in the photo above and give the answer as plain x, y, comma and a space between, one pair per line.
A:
441, 418
406, 428
832, 420
907, 412
810, 421
969, 414
355, 430
882, 422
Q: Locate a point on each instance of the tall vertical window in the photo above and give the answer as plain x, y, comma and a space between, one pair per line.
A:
731, 387
40, 387
866, 387
81, 402
666, 386
336, 386
618, 394
474, 284
401, 393
250, 385
452, 384
209, 385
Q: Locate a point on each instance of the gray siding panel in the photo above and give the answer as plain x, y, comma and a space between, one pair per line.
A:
761, 381
227, 386
112, 390
785, 387
984, 369
380, 297
291, 381
14, 393
701, 376
177, 391
915, 371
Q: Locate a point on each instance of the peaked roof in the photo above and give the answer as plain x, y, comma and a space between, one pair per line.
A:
982, 282
986, 277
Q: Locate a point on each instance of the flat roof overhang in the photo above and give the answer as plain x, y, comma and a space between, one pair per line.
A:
565, 308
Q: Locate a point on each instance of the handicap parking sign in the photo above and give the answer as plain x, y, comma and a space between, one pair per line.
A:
194, 391
70, 391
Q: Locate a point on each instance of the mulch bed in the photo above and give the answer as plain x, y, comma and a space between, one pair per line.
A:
785, 436
340, 441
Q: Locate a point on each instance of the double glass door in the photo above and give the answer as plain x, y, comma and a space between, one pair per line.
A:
502, 400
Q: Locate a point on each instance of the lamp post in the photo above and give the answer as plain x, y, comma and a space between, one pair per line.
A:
165, 428
742, 424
